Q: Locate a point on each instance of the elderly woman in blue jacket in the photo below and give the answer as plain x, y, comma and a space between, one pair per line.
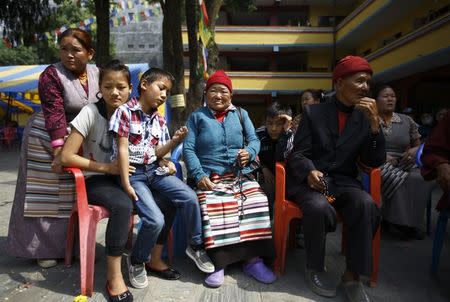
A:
218, 150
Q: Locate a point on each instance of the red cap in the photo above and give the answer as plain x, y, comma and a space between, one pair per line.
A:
351, 65
219, 77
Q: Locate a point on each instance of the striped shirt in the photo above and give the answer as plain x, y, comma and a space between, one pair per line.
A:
144, 132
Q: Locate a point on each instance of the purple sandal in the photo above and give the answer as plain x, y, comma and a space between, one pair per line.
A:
215, 279
258, 270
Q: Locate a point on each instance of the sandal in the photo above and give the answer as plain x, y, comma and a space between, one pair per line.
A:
126, 296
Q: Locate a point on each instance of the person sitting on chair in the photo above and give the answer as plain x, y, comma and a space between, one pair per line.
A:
332, 138
436, 159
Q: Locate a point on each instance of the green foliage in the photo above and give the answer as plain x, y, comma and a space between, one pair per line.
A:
21, 55
20, 26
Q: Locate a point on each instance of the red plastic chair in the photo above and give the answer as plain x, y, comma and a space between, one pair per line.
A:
286, 211
9, 136
86, 217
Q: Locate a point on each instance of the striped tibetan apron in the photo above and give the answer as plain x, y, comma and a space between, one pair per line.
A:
235, 211
47, 194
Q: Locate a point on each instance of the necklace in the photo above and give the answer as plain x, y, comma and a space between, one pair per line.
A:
83, 77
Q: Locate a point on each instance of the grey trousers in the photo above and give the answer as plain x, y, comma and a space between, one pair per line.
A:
361, 218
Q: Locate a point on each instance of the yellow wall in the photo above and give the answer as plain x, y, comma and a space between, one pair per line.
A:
424, 45
404, 25
359, 18
318, 10
319, 59
268, 38
262, 81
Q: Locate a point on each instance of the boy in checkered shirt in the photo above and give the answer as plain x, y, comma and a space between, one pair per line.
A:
142, 140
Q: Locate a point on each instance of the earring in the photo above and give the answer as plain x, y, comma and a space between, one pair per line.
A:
98, 95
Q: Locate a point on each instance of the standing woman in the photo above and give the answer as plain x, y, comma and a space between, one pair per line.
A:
405, 193
235, 211
44, 197
307, 97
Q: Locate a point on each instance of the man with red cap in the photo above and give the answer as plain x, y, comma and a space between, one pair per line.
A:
331, 139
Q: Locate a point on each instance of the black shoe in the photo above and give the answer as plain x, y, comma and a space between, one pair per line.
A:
320, 283
168, 274
354, 291
126, 296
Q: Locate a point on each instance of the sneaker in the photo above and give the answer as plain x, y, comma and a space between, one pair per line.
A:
46, 263
201, 259
320, 283
258, 270
354, 291
137, 274
215, 279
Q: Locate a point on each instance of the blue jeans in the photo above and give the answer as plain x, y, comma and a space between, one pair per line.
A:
170, 187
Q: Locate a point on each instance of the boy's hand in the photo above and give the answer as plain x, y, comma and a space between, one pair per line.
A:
114, 168
287, 121
180, 134
168, 164
130, 191
205, 184
269, 178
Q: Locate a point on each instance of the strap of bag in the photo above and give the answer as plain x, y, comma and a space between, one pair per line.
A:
241, 120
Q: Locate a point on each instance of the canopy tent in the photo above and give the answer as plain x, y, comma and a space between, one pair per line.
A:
18, 85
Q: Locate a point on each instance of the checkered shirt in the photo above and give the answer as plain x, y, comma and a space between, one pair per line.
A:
144, 132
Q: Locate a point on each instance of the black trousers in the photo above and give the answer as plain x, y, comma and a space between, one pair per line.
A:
105, 191
361, 217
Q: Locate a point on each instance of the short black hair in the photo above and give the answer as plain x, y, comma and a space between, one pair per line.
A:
276, 109
317, 94
376, 91
114, 65
155, 74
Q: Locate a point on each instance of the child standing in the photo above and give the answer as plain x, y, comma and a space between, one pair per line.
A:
142, 139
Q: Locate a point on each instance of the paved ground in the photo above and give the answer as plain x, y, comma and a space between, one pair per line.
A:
404, 270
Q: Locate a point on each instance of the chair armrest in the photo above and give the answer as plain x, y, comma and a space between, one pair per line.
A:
280, 184
176, 153
371, 180
80, 187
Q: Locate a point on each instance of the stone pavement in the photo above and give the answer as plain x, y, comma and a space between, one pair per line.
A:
404, 270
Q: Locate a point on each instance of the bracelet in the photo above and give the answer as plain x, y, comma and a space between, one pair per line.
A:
57, 143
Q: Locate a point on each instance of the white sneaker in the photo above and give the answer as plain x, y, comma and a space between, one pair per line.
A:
201, 259
137, 274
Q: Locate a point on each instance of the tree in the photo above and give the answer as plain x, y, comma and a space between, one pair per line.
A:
102, 54
21, 55
22, 19
192, 19
173, 50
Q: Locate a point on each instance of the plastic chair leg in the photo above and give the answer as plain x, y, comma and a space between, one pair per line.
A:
438, 241
88, 231
129, 245
73, 221
281, 237
375, 258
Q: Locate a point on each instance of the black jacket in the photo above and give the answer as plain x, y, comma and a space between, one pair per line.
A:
318, 146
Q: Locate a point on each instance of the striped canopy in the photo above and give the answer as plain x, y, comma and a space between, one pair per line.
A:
18, 84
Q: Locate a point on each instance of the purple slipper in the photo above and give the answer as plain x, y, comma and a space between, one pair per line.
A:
258, 270
215, 279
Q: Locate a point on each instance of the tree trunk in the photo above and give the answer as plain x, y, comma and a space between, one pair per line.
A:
213, 8
102, 15
173, 52
194, 95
